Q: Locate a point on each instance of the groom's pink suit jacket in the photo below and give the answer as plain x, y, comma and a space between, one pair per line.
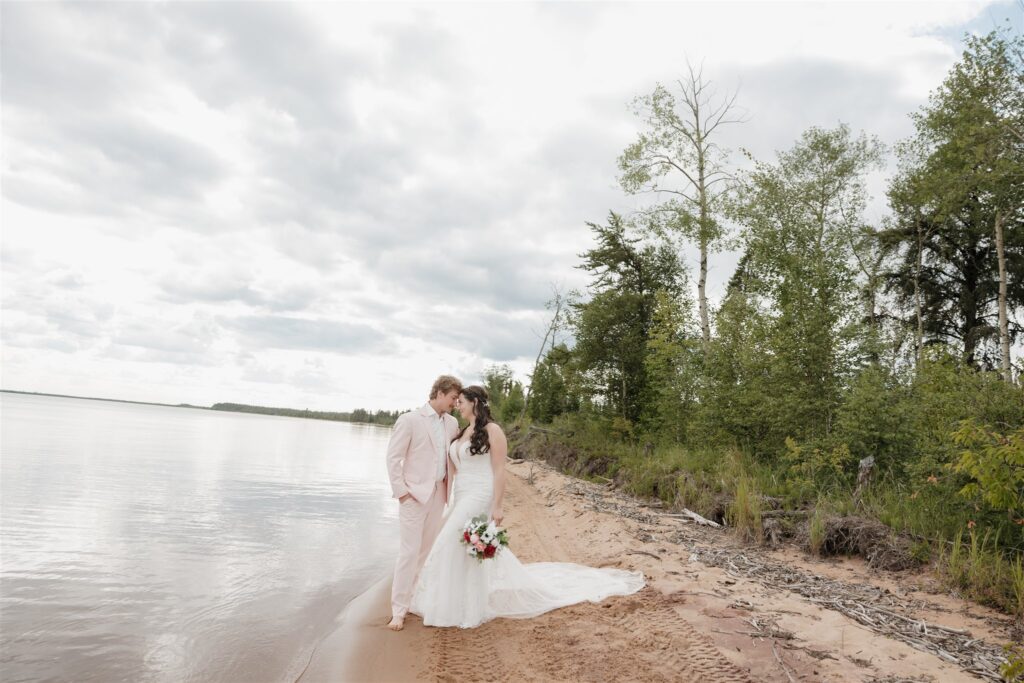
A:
413, 451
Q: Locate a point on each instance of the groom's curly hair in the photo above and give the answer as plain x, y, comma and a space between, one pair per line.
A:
479, 441
444, 384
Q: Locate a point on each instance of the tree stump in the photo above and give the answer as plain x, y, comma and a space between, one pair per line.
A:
867, 468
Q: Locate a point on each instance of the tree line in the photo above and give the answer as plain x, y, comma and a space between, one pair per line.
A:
379, 417
838, 338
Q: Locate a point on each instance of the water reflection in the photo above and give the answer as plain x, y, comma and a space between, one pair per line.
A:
153, 543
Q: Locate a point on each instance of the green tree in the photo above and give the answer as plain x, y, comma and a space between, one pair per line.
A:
800, 218
557, 321
673, 365
505, 393
737, 382
552, 389
612, 326
958, 202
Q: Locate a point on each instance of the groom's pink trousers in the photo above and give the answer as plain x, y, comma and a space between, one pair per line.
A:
418, 526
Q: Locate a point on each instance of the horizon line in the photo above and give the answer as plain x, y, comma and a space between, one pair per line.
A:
181, 405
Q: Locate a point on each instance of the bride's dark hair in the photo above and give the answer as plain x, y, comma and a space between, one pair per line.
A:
478, 441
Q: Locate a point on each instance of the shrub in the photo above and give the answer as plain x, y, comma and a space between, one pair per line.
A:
995, 464
813, 470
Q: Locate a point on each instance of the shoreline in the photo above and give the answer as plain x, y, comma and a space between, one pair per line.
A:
194, 407
694, 620
351, 653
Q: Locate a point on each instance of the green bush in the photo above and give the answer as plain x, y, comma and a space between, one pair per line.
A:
994, 462
812, 470
873, 419
942, 394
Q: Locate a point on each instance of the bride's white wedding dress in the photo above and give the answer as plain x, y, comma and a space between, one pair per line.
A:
454, 589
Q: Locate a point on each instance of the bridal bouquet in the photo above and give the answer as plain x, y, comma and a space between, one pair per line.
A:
483, 538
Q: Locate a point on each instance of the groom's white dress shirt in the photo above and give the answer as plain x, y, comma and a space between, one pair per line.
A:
437, 424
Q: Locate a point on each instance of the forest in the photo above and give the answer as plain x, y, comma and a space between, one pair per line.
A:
856, 375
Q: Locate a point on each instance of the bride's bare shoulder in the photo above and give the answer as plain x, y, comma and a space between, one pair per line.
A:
494, 430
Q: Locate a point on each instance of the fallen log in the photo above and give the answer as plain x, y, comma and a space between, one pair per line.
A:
690, 514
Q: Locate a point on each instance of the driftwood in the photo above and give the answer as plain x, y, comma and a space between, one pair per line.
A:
767, 627
690, 514
784, 669
644, 552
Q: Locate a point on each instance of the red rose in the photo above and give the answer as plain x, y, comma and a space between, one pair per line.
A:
489, 551
465, 535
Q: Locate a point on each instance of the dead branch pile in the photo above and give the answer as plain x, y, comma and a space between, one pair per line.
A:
767, 626
602, 499
869, 538
877, 608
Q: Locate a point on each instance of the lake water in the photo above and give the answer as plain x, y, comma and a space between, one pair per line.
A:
150, 543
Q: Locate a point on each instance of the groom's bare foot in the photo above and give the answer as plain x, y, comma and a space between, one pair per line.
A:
396, 624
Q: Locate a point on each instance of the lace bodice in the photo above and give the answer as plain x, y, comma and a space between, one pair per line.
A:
459, 452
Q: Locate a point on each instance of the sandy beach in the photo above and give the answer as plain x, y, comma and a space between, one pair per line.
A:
701, 617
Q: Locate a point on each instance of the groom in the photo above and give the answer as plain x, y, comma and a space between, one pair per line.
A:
418, 468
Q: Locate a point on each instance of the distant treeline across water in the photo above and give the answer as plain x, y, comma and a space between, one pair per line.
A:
378, 417
381, 417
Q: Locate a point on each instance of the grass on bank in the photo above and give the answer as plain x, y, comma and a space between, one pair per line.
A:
972, 554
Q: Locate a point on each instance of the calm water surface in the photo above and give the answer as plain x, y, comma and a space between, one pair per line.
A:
148, 543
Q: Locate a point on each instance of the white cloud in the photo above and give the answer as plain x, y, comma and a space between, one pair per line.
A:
327, 205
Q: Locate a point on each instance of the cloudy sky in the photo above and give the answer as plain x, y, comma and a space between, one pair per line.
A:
327, 205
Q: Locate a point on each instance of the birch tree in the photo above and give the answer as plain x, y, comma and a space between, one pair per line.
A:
676, 157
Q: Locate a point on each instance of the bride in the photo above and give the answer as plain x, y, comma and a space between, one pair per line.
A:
453, 588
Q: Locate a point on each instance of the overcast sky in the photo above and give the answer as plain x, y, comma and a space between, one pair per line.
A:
326, 206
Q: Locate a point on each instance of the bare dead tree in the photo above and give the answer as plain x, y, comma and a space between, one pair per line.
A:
556, 304
676, 157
